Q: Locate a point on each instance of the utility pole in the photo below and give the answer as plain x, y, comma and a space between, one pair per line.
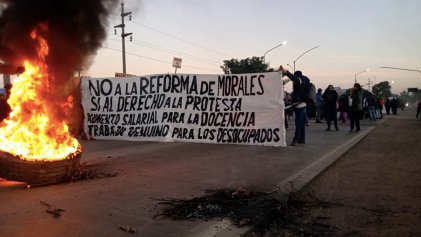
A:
124, 35
370, 82
79, 72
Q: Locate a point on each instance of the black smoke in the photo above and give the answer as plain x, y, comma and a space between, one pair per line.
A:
74, 30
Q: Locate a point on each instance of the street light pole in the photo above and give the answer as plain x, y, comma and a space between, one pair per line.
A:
281, 44
366, 70
404, 69
303, 54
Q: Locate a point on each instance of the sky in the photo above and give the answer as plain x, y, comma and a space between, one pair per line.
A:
352, 35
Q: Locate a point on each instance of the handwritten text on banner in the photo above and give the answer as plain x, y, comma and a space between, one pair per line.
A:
236, 109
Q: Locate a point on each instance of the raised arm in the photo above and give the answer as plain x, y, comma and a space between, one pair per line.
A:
289, 75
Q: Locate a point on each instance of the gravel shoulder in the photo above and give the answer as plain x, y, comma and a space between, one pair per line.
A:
373, 190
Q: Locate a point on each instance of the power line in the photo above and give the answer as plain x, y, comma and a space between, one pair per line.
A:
162, 61
170, 51
236, 43
180, 39
162, 49
154, 59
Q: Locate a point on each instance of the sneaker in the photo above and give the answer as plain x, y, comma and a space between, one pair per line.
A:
352, 130
327, 129
358, 130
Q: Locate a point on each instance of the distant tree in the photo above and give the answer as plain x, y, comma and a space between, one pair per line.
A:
382, 89
247, 65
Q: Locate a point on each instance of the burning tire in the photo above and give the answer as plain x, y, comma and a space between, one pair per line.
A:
38, 172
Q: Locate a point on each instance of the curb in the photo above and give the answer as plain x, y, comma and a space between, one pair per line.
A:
295, 182
303, 177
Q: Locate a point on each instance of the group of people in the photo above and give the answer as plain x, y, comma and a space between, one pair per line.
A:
330, 103
353, 106
327, 104
392, 105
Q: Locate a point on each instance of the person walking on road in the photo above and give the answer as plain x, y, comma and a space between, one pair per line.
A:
394, 106
419, 110
330, 98
387, 106
298, 102
318, 102
356, 107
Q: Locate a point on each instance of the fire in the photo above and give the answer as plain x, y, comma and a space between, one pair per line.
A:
32, 132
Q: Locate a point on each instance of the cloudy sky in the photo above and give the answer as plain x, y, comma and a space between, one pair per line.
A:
352, 35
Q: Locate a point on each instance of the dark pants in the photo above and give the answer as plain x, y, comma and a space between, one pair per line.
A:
355, 119
394, 110
331, 115
300, 120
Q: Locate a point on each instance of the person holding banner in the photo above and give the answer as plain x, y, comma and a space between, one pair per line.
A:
299, 97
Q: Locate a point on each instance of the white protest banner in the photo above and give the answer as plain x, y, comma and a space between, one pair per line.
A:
226, 109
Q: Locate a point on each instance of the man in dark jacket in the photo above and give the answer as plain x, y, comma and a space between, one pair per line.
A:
356, 107
299, 103
330, 97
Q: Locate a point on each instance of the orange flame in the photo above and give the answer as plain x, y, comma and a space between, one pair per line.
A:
31, 132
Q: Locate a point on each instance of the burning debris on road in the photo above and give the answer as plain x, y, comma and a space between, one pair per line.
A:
89, 172
45, 42
263, 212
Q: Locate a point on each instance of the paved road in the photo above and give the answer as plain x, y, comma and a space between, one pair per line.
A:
160, 170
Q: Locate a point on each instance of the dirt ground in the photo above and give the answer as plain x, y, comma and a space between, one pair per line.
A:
373, 190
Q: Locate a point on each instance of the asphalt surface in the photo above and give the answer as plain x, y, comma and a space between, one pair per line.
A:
147, 170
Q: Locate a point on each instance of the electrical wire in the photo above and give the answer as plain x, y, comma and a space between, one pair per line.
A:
158, 60
172, 21
162, 49
170, 51
180, 39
